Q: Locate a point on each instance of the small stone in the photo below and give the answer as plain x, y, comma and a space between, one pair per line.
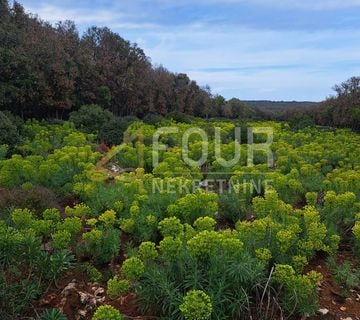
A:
84, 297
323, 311
92, 302
70, 287
348, 318
47, 300
100, 300
342, 308
99, 292
82, 313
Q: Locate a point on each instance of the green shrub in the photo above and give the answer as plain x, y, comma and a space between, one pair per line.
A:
117, 287
196, 306
230, 207
52, 214
79, 210
16, 296
52, 314
112, 132
108, 218
8, 131
311, 198
356, 234
94, 274
194, 205
170, 227
61, 239
107, 312
23, 218
147, 251
132, 268
90, 118
42, 227
170, 248
299, 290
52, 266
72, 225
127, 225
204, 223
102, 244
344, 274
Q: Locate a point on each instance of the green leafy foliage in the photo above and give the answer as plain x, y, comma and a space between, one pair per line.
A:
107, 312
90, 118
193, 206
132, 268
300, 290
191, 253
52, 314
345, 274
94, 274
147, 251
102, 244
117, 287
196, 306
9, 134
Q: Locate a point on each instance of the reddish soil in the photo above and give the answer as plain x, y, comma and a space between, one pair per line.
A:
330, 296
71, 305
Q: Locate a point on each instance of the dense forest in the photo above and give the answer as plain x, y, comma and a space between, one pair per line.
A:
339, 110
48, 71
268, 105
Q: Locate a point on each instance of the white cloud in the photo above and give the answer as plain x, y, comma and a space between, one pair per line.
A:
53, 14
112, 18
301, 4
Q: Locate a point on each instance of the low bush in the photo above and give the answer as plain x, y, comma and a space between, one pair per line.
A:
107, 312
117, 287
52, 314
196, 306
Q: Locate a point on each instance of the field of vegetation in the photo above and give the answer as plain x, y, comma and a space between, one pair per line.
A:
128, 191
92, 232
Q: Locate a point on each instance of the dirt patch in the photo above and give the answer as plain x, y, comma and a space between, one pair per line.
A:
78, 298
330, 298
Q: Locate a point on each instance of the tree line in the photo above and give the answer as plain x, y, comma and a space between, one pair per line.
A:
339, 110
49, 71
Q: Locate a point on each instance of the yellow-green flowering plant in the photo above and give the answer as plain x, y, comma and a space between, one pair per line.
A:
196, 305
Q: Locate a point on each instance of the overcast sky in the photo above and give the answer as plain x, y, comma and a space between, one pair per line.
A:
250, 49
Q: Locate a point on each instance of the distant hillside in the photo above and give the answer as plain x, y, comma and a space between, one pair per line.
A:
278, 105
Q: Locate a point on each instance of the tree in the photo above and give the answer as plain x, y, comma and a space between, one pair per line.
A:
48, 71
8, 131
91, 118
112, 132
